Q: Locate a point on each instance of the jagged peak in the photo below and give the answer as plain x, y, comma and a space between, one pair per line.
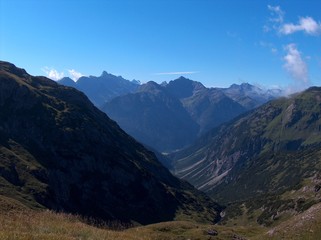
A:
104, 74
242, 85
164, 83
65, 79
136, 81
183, 78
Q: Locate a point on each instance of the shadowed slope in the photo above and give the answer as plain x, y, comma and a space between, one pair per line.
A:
59, 151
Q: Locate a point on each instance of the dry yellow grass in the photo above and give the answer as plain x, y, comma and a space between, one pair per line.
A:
32, 225
47, 225
26, 224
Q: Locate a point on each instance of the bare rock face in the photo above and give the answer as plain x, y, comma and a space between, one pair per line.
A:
59, 151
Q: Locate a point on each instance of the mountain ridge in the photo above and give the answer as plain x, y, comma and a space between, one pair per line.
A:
261, 158
102, 88
58, 151
267, 116
206, 107
153, 117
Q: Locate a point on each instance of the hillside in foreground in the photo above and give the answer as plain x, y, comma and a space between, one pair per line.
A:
26, 224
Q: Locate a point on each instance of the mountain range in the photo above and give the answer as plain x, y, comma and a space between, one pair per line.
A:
58, 151
103, 88
154, 117
171, 116
269, 157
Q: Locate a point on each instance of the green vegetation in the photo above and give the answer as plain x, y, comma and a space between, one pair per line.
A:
252, 164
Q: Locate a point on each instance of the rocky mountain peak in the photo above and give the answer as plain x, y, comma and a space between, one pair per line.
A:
104, 74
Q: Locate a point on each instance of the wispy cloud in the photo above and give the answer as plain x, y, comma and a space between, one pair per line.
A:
276, 18
295, 65
74, 75
306, 24
53, 73
276, 13
176, 73
276, 22
270, 46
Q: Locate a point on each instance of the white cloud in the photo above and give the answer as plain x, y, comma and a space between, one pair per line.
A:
53, 73
74, 75
175, 73
276, 22
276, 13
306, 24
295, 65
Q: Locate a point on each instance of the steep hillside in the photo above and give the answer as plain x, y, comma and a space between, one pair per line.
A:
58, 151
103, 88
273, 149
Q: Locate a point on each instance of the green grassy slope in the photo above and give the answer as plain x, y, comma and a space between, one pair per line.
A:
254, 159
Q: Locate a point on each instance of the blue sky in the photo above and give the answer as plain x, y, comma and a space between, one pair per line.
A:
216, 42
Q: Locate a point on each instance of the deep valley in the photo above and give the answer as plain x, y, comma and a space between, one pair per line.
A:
68, 171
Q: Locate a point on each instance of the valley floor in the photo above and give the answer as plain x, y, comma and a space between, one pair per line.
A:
29, 225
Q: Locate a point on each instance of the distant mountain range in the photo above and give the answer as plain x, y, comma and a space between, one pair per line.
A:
250, 96
269, 158
103, 88
58, 151
154, 117
171, 116
208, 107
